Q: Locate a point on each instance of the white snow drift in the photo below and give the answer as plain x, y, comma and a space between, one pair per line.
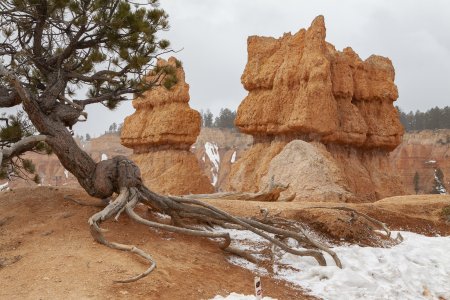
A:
417, 268
212, 150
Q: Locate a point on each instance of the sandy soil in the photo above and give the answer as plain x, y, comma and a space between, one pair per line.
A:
46, 251
58, 259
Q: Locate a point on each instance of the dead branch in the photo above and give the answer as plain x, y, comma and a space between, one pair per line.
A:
370, 219
184, 211
24, 145
272, 195
113, 208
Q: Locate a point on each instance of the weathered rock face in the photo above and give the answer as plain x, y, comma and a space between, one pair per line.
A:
300, 87
161, 132
423, 152
320, 177
162, 117
246, 173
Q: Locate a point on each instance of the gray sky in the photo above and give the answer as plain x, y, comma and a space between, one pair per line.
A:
213, 35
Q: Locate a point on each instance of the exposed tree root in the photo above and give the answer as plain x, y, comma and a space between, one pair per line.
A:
353, 211
272, 194
195, 218
110, 210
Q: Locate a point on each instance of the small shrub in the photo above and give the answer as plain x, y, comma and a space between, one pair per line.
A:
446, 213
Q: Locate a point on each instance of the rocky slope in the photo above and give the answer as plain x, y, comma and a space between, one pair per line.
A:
161, 132
423, 152
301, 88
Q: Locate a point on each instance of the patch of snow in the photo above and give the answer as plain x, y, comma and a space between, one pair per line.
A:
4, 187
212, 150
430, 162
214, 176
66, 173
235, 296
439, 186
417, 268
104, 156
233, 157
203, 158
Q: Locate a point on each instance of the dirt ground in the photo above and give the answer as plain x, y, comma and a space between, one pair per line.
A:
47, 252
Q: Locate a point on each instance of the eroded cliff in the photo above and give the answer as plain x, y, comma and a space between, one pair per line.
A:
425, 153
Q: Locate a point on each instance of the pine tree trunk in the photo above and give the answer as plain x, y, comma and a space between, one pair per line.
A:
98, 179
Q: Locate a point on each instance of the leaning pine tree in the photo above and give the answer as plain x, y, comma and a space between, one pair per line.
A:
51, 48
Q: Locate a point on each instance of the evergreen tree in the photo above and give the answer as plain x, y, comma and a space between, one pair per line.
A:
208, 118
416, 182
225, 119
13, 129
51, 48
434, 118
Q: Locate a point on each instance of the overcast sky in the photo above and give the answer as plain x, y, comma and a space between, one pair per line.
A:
213, 38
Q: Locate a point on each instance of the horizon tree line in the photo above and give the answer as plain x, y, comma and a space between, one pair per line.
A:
434, 118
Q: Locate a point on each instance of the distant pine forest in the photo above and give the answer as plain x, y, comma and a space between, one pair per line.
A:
435, 118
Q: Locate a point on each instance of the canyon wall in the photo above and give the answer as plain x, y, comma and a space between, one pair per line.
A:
218, 150
161, 132
301, 88
424, 152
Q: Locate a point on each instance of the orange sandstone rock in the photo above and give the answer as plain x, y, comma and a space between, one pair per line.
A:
175, 172
300, 87
161, 132
163, 117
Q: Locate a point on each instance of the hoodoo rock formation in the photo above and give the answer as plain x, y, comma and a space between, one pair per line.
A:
161, 132
301, 88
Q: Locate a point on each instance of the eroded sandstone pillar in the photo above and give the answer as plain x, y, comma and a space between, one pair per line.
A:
161, 132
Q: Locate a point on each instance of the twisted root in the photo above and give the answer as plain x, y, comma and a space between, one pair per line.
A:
182, 210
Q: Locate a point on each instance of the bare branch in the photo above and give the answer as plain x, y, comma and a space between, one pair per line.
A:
22, 146
374, 221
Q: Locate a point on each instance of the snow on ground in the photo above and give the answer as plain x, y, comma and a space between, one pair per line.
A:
439, 186
104, 156
212, 150
66, 173
417, 268
234, 296
4, 187
233, 157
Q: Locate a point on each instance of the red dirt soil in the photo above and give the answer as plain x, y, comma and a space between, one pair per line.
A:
47, 252
58, 259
